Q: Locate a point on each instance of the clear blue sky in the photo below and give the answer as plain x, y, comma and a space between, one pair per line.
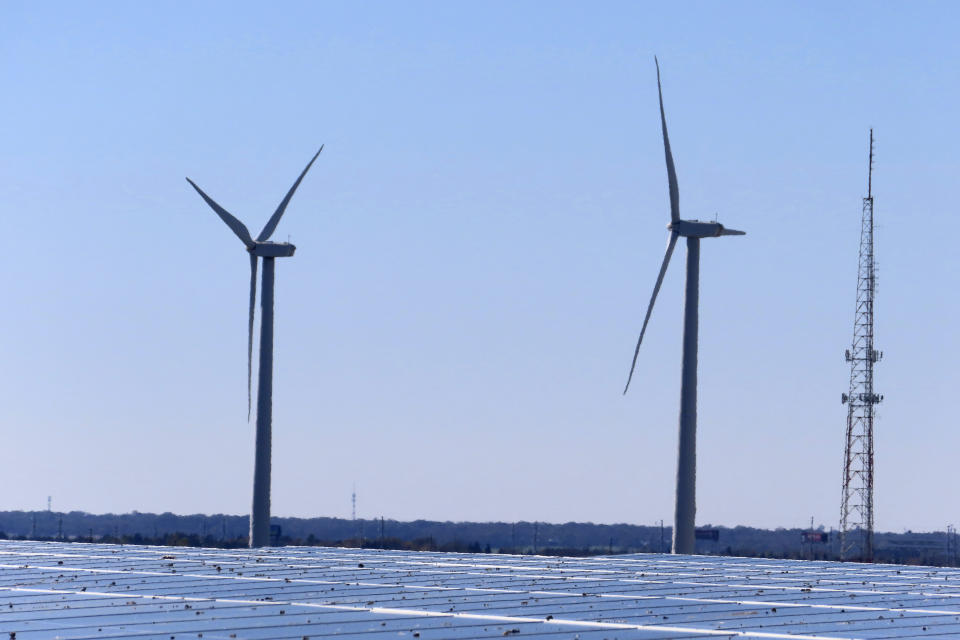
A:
476, 247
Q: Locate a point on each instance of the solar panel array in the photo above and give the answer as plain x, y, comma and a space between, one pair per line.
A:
70, 590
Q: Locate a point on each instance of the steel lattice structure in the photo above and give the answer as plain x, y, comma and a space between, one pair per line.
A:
856, 511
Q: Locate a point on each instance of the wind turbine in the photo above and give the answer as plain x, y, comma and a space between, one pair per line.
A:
261, 248
692, 230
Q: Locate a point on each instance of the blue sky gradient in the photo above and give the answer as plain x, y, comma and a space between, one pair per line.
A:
476, 247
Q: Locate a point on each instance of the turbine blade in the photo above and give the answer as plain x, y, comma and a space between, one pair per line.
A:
275, 218
671, 170
732, 232
235, 225
656, 289
253, 304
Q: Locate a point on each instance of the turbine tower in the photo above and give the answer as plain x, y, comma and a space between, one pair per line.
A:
261, 248
693, 231
856, 507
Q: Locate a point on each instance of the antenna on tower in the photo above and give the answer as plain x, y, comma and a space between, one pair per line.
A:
353, 500
856, 507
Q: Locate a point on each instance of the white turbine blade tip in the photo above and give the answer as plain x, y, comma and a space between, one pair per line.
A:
671, 243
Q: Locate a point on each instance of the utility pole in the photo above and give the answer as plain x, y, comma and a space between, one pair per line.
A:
358, 530
951, 549
856, 508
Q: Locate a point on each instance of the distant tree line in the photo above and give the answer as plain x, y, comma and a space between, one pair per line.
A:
569, 539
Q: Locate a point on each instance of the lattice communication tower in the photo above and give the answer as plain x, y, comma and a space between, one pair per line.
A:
856, 510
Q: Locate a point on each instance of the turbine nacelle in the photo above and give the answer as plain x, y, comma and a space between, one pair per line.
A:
699, 229
272, 249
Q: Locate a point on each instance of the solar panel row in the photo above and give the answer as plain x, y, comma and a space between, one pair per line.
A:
68, 590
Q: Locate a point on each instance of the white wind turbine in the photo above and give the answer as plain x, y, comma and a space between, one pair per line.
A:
261, 248
685, 510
